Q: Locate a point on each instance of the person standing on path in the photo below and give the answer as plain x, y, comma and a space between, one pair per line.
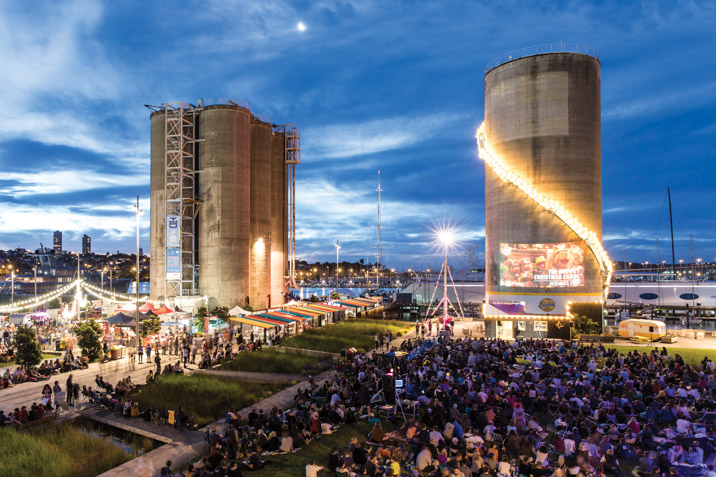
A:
140, 353
430, 327
149, 352
158, 362
69, 390
185, 354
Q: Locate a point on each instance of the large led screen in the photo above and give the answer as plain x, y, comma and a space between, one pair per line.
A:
541, 265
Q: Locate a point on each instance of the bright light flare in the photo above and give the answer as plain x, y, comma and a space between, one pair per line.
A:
301, 26
446, 237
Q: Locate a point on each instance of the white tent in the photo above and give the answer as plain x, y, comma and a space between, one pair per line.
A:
237, 310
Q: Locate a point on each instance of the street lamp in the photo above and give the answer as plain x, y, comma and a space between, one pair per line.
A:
12, 287
338, 247
138, 211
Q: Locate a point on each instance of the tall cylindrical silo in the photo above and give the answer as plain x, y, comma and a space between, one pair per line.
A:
157, 271
260, 252
542, 121
225, 192
279, 219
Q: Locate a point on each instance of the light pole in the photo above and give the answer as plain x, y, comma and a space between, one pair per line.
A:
338, 247
34, 270
12, 287
136, 332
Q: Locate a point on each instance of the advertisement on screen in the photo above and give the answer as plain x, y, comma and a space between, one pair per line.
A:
546, 265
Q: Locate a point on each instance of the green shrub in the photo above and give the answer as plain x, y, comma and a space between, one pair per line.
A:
89, 334
28, 349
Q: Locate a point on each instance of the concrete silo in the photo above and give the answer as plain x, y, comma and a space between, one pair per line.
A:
219, 219
543, 190
261, 208
157, 229
225, 192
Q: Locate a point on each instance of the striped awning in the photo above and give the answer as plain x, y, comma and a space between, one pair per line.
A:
310, 311
283, 314
254, 322
274, 319
354, 303
324, 308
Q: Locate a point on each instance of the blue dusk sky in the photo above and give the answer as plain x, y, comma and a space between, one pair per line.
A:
395, 86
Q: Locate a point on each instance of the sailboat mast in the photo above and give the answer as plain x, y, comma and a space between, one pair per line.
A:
671, 224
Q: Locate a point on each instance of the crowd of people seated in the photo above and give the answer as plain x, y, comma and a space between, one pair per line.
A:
494, 408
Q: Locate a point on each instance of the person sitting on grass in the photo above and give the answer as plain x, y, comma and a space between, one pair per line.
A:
377, 434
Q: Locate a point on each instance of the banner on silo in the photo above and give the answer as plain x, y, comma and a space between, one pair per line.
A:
173, 264
173, 232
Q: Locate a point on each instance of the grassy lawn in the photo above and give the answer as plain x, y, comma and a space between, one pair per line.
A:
358, 333
205, 397
271, 361
44, 357
690, 355
56, 451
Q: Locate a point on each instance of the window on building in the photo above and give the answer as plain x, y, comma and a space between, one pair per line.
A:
540, 326
521, 326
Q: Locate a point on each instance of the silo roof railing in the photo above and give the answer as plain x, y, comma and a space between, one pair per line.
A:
542, 50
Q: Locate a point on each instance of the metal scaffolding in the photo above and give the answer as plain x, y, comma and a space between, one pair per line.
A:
292, 138
181, 205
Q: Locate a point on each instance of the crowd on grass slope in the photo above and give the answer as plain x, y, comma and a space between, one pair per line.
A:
494, 408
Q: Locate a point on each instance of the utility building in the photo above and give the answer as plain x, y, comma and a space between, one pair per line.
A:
541, 142
222, 213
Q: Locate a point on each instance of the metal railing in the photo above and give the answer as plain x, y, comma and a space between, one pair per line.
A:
541, 50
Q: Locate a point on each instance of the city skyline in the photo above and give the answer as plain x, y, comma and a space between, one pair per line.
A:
393, 87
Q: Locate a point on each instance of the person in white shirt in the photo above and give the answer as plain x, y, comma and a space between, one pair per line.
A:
424, 459
569, 445
436, 436
312, 469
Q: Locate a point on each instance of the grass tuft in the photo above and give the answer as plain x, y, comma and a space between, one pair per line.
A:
56, 451
205, 397
271, 361
358, 333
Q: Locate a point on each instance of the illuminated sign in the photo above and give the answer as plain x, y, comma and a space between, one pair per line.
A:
552, 265
546, 304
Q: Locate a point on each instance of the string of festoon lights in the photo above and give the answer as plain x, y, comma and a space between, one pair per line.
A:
33, 302
96, 291
106, 297
589, 237
121, 296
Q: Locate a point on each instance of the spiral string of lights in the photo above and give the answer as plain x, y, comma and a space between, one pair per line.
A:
553, 206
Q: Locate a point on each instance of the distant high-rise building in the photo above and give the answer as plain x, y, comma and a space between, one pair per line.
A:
86, 244
141, 252
57, 241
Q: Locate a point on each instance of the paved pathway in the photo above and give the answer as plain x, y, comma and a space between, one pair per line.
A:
24, 394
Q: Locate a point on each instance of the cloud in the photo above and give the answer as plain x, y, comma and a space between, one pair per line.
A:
65, 181
78, 219
374, 136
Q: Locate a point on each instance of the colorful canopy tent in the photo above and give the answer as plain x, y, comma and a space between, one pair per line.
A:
295, 311
310, 311
125, 321
253, 322
163, 310
283, 314
147, 307
353, 303
327, 307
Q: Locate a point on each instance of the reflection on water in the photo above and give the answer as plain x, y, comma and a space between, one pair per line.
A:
675, 324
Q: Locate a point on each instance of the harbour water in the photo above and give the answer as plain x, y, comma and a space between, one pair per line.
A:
307, 292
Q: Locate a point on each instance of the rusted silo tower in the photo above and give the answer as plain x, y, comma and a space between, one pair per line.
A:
543, 127
219, 222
